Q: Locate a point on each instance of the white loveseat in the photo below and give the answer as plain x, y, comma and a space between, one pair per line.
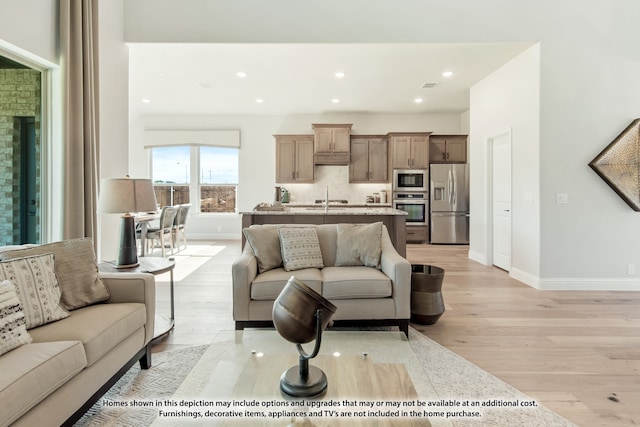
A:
364, 295
65, 365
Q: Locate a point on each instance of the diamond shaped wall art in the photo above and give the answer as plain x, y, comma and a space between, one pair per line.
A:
619, 165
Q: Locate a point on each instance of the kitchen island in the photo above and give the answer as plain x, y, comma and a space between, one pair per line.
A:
393, 219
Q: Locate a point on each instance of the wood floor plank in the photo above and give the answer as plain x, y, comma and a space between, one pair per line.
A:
573, 351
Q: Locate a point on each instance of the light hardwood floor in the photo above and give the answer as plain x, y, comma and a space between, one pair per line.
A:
578, 353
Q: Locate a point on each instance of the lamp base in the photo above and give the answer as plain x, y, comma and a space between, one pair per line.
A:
125, 266
127, 256
293, 384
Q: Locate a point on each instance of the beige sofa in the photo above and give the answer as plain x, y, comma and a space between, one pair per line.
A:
71, 362
364, 295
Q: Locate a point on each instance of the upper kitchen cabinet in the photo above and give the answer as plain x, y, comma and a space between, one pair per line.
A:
448, 149
294, 158
369, 156
332, 143
409, 150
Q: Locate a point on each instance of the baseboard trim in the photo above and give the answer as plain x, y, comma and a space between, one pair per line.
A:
478, 257
589, 284
575, 283
213, 236
524, 277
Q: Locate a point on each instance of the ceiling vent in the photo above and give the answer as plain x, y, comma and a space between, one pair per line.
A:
429, 85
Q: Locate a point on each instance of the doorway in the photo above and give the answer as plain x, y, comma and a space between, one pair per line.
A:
28, 194
20, 146
500, 196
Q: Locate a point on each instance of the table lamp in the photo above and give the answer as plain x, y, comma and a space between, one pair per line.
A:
124, 196
300, 314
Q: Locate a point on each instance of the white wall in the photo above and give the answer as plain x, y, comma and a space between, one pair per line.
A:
258, 158
114, 112
31, 28
588, 81
509, 100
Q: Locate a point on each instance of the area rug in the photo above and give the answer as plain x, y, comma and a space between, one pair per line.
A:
453, 377
169, 370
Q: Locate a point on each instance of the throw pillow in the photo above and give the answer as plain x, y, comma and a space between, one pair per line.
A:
76, 268
13, 330
265, 242
300, 248
359, 244
37, 287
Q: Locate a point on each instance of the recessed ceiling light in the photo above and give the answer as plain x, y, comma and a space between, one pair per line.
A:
335, 100
241, 74
447, 74
418, 100
146, 101
340, 74
259, 100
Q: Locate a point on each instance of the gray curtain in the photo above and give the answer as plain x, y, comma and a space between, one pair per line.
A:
79, 60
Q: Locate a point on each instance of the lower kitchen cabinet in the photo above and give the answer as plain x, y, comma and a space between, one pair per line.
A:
417, 233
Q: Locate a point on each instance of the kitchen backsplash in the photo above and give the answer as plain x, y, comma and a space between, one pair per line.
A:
337, 179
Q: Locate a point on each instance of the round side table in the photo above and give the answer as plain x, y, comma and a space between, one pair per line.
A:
427, 304
155, 266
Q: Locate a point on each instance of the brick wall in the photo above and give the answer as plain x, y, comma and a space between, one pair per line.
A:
19, 97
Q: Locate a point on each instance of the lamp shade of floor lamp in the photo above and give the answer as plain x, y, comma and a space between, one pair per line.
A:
300, 314
125, 196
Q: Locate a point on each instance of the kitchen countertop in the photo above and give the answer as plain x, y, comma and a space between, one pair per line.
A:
338, 209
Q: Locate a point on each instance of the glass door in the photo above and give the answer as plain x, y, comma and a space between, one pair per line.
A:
20, 146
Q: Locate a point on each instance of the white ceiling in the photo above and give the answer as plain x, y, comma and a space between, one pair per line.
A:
300, 78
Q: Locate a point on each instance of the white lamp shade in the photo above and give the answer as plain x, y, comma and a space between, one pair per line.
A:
123, 195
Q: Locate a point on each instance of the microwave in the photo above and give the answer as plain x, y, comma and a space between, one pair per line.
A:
410, 180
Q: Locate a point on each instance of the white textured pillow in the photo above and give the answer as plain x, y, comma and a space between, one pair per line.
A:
359, 244
13, 330
300, 248
37, 288
265, 242
75, 268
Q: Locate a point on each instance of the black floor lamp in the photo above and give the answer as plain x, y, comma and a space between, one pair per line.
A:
126, 196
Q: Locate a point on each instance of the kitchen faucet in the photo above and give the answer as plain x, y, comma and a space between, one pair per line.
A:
326, 199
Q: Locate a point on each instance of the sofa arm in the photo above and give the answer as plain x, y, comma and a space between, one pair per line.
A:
398, 269
134, 287
243, 271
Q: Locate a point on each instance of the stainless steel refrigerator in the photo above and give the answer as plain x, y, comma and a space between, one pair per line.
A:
449, 203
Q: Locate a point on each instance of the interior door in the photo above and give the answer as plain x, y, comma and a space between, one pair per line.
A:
501, 196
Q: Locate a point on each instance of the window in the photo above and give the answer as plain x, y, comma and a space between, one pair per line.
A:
170, 172
218, 179
214, 185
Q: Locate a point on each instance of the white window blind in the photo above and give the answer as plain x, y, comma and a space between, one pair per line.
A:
215, 138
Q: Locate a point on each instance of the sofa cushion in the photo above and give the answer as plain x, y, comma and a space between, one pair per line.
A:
13, 329
359, 244
354, 282
99, 327
36, 370
300, 248
265, 243
267, 286
76, 268
37, 287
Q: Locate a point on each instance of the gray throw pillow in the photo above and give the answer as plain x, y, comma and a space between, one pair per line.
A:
265, 242
359, 244
300, 248
76, 268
